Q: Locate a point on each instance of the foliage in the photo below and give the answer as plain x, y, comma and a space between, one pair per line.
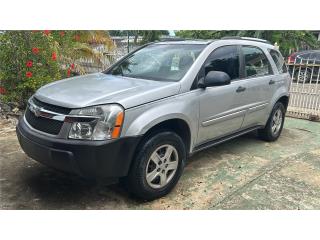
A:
26, 63
147, 35
80, 46
30, 59
288, 41
152, 36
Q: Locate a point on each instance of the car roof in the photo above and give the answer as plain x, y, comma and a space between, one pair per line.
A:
227, 40
307, 51
186, 41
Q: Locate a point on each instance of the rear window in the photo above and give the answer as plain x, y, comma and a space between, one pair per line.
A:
278, 60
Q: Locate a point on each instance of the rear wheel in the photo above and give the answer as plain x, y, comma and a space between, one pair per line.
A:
273, 128
157, 167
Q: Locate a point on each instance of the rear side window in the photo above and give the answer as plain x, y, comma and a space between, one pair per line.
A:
256, 63
278, 60
224, 59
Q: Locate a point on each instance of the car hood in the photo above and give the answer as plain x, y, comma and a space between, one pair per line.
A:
100, 88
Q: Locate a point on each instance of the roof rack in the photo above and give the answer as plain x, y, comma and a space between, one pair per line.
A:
247, 38
178, 39
171, 39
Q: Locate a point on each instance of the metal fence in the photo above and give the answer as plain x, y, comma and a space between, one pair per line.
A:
109, 57
90, 66
305, 89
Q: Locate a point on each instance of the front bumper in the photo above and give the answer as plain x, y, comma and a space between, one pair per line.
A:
89, 159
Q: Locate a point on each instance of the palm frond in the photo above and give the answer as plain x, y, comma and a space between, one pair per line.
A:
84, 51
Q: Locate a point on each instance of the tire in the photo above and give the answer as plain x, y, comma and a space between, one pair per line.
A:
144, 163
304, 76
269, 133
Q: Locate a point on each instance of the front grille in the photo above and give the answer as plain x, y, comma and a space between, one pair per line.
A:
43, 124
51, 107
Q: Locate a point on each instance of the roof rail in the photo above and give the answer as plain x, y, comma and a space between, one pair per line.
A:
247, 38
178, 39
171, 39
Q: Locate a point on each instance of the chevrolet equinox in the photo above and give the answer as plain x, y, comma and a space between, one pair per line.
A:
139, 120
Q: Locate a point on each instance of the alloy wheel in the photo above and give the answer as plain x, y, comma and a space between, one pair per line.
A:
162, 166
276, 122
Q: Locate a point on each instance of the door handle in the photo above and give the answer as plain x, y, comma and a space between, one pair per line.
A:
271, 82
240, 89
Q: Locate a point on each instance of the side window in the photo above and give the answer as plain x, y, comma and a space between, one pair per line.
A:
278, 60
255, 62
224, 59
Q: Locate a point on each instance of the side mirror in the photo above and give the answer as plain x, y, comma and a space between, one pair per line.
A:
214, 78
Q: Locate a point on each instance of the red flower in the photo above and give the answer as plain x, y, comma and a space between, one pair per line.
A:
29, 64
35, 50
47, 32
28, 74
68, 72
54, 56
62, 33
3, 90
76, 37
72, 66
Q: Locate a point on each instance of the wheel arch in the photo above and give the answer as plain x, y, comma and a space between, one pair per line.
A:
176, 125
284, 100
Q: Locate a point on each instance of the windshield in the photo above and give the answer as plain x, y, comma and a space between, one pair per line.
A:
161, 62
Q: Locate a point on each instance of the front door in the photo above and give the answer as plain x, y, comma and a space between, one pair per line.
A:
222, 108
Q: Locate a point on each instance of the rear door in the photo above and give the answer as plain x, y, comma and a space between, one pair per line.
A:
222, 108
260, 85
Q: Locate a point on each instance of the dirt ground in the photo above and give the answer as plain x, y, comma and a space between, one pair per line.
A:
244, 173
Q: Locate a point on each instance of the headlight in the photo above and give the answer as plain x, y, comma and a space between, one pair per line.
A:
97, 123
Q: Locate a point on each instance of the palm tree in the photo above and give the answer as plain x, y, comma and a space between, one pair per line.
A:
85, 46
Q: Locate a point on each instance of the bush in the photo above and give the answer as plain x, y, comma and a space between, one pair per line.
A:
28, 60
31, 59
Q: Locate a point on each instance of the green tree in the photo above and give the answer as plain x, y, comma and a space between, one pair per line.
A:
30, 59
287, 40
151, 36
147, 35
75, 46
27, 61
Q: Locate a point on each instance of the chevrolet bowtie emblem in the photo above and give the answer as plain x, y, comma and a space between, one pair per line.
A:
36, 110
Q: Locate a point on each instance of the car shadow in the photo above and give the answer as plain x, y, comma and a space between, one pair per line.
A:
58, 190
51, 189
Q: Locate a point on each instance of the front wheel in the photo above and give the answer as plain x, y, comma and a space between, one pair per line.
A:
273, 128
304, 76
157, 166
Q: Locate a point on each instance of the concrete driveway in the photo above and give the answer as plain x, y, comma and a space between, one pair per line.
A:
244, 173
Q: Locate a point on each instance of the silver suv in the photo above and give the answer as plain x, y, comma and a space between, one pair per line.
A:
139, 120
